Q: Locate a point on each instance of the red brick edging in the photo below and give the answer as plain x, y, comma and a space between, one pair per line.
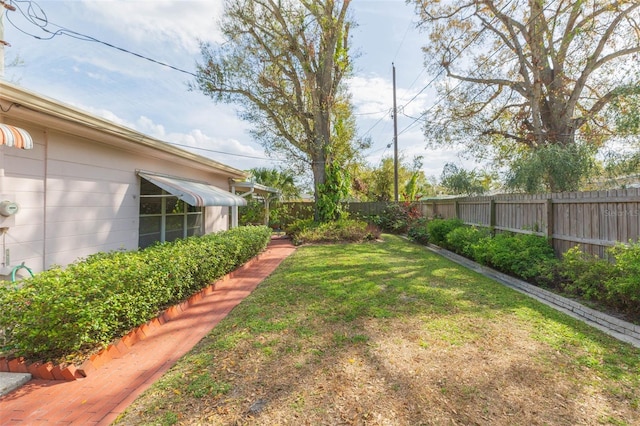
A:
69, 372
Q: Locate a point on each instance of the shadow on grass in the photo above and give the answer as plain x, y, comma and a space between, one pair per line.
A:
356, 333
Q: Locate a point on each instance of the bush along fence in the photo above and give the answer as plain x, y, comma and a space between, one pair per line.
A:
594, 220
62, 313
612, 282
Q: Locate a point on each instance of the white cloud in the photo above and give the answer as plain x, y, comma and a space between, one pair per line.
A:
170, 22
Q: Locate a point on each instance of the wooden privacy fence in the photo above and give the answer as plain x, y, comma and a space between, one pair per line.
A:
594, 220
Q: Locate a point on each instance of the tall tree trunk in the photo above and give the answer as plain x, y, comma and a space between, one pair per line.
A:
319, 178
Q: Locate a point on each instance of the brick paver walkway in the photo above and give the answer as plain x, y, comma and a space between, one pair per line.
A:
108, 391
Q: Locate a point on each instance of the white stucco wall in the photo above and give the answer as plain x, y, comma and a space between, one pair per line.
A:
79, 197
23, 182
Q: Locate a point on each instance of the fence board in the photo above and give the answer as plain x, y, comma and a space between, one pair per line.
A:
593, 220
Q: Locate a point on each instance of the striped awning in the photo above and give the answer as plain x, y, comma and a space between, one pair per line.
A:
15, 137
194, 193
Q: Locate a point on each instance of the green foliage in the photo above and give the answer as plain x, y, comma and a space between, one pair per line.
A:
343, 230
397, 218
332, 193
294, 229
285, 65
418, 231
462, 239
553, 168
251, 214
523, 255
439, 228
624, 285
461, 181
93, 301
614, 281
289, 213
377, 183
625, 109
282, 180
254, 212
585, 273
529, 104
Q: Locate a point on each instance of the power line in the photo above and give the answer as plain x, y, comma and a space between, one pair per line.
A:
37, 16
442, 97
375, 124
402, 41
453, 59
225, 153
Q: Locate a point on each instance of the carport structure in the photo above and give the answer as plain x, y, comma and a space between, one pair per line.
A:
247, 189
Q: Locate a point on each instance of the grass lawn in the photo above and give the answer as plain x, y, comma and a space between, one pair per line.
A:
388, 333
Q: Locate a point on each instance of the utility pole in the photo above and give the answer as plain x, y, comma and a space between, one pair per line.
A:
395, 137
2, 42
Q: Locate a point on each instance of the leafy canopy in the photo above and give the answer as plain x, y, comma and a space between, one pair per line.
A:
283, 63
524, 75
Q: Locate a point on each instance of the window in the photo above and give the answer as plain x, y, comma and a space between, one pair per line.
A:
164, 217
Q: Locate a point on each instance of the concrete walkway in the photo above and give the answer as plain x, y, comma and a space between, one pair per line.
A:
99, 398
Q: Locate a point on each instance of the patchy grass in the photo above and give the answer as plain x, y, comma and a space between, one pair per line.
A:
387, 333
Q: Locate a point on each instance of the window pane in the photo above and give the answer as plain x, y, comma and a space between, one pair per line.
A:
174, 228
147, 188
149, 231
148, 239
174, 205
194, 224
150, 224
193, 209
150, 205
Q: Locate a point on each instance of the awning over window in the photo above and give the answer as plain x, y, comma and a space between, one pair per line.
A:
194, 193
15, 137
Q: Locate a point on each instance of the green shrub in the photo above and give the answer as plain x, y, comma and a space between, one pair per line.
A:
461, 240
396, 218
418, 231
252, 213
614, 281
585, 274
527, 256
61, 312
623, 286
343, 230
294, 229
348, 230
439, 228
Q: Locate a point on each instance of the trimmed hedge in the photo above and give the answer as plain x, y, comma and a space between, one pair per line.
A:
342, 230
614, 281
93, 301
437, 229
526, 256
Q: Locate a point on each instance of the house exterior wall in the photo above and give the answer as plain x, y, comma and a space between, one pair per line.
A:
80, 194
24, 183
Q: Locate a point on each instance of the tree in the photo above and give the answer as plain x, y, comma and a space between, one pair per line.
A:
524, 75
283, 62
460, 181
255, 211
567, 166
283, 181
377, 183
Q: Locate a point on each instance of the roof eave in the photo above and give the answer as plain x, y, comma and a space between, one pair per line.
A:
22, 98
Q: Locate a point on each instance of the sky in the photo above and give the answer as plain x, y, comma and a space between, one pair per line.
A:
155, 99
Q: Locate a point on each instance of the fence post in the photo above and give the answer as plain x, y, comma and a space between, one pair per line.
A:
549, 205
457, 206
492, 213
